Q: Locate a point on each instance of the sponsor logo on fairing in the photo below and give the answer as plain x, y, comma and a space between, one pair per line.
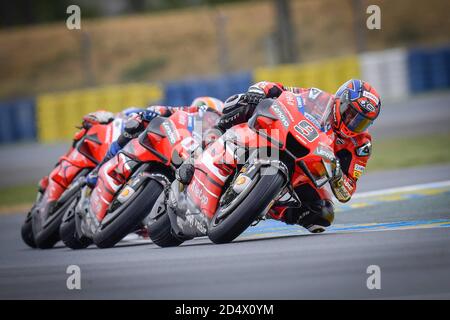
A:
198, 192
194, 222
290, 99
280, 114
171, 133
300, 103
325, 152
312, 119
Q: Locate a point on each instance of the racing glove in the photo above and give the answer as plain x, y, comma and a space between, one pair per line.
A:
254, 95
337, 184
235, 111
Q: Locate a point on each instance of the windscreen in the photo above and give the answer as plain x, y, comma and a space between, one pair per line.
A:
316, 106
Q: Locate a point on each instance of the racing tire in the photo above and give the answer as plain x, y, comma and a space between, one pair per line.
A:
160, 232
133, 212
245, 213
26, 231
68, 232
46, 236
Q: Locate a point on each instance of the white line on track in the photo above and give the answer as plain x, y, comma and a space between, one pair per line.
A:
416, 187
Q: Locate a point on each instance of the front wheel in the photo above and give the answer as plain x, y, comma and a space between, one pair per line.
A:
46, 226
244, 214
160, 228
68, 230
130, 215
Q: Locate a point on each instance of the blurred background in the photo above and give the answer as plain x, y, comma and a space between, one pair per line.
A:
137, 52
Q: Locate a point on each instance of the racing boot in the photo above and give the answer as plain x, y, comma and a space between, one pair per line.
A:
314, 216
185, 173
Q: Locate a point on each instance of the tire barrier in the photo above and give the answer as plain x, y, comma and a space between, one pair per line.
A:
17, 121
179, 93
429, 69
327, 75
58, 114
387, 71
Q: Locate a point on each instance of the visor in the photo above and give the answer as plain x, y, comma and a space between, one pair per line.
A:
353, 120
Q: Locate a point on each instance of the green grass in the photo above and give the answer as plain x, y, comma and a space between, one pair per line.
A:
141, 70
10, 196
410, 152
387, 154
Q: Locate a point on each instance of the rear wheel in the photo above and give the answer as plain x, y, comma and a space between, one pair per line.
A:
226, 229
130, 215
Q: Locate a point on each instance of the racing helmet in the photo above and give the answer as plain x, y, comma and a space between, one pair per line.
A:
131, 110
209, 102
357, 105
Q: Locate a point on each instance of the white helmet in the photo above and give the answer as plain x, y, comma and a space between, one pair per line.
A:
209, 102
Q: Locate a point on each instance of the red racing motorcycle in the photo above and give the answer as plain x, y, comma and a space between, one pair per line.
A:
132, 181
253, 167
60, 190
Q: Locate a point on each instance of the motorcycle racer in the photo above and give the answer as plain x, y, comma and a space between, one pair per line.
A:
352, 109
138, 119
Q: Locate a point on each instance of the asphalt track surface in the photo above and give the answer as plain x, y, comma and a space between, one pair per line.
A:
406, 233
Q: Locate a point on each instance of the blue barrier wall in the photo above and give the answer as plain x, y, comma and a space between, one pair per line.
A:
429, 69
17, 120
178, 93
